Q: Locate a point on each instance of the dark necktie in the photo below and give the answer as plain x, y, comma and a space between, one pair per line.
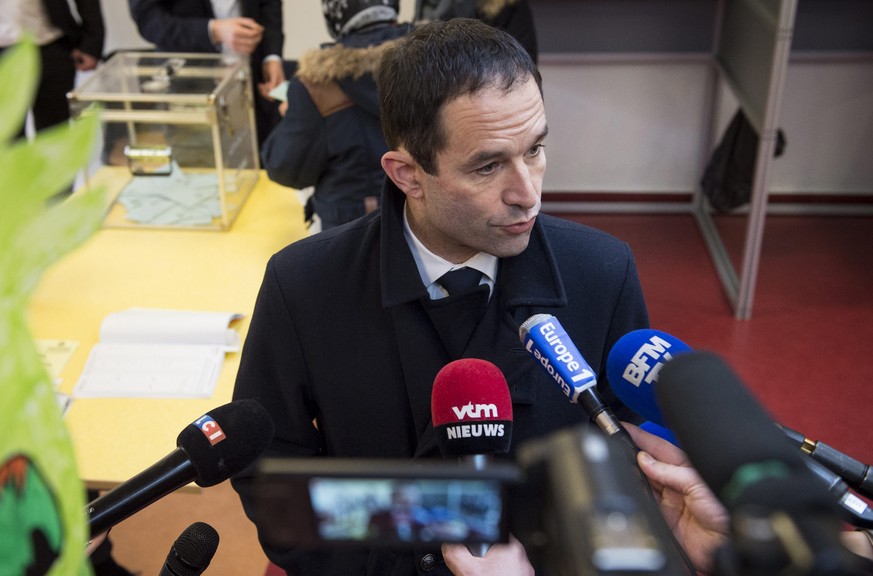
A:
460, 281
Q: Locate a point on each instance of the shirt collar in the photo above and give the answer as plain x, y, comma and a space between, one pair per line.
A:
431, 267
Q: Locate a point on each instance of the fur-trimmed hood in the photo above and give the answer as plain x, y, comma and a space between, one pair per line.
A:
337, 62
352, 62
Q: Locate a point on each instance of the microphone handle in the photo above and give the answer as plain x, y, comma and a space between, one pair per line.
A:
168, 474
599, 413
478, 462
856, 474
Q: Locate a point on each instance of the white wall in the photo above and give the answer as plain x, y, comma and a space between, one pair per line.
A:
304, 26
623, 127
639, 126
827, 116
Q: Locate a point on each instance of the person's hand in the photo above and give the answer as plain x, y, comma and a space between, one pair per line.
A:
82, 60
860, 542
500, 560
697, 519
241, 35
274, 75
95, 542
283, 108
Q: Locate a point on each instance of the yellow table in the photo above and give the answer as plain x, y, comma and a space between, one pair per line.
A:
116, 438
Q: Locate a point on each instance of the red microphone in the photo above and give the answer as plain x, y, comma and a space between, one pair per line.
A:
471, 411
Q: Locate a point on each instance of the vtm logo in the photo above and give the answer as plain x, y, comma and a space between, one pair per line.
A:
478, 411
210, 429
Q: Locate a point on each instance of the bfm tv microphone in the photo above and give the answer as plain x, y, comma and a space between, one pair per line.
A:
633, 366
471, 411
547, 341
210, 450
632, 369
192, 551
783, 520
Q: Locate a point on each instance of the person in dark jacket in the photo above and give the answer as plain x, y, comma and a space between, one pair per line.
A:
67, 43
249, 28
330, 136
513, 16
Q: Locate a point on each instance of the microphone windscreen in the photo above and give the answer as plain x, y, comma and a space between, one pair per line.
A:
730, 438
471, 408
634, 364
193, 550
226, 440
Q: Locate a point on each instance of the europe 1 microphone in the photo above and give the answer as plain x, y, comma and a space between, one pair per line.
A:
548, 343
633, 367
471, 410
211, 449
551, 347
192, 551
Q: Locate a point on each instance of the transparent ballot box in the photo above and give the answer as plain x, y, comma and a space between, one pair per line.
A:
179, 148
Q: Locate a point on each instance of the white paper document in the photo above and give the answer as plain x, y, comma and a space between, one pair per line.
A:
152, 353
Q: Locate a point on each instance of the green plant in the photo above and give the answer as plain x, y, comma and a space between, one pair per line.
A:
40, 489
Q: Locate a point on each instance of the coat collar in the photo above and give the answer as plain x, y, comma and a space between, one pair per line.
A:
529, 279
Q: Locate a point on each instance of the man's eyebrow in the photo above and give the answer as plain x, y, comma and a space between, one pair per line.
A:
485, 156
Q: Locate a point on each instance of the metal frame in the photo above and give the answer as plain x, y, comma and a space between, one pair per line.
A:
751, 50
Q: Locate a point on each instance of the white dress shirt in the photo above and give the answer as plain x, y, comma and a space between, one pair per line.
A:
431, 267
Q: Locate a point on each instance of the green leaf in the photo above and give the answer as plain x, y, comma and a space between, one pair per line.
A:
37, 170
19, 66
46, 238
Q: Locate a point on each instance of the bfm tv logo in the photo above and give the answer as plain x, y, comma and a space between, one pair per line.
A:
210, 429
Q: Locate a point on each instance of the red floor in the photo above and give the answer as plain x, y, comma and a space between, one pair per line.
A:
805, 351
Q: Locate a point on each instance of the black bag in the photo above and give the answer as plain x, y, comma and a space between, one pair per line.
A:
727, 180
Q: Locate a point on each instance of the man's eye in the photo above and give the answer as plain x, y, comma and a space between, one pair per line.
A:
536, 150
487, 169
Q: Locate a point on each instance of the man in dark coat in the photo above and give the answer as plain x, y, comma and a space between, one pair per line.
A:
352, 325
250, 28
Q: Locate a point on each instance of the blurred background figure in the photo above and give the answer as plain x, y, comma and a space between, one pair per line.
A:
513, 16
67, 43
246, 28
330, 136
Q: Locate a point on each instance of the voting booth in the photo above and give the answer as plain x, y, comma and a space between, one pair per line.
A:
179, 148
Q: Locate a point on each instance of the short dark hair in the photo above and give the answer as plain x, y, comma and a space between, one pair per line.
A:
436, 63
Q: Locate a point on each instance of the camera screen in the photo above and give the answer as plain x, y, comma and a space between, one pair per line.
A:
407, 510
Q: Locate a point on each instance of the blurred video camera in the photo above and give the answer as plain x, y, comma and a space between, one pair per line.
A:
574, 499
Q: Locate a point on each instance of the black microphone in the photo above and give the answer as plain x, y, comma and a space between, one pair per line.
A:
210, 450
782, 518
550, 346
855, 473
192, 551
471, 410
632, 369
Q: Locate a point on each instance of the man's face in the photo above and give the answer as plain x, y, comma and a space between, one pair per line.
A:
486, 193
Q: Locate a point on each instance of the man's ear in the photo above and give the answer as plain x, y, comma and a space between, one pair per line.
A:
403, 171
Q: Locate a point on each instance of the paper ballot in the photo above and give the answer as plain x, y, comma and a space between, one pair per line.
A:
153, 353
